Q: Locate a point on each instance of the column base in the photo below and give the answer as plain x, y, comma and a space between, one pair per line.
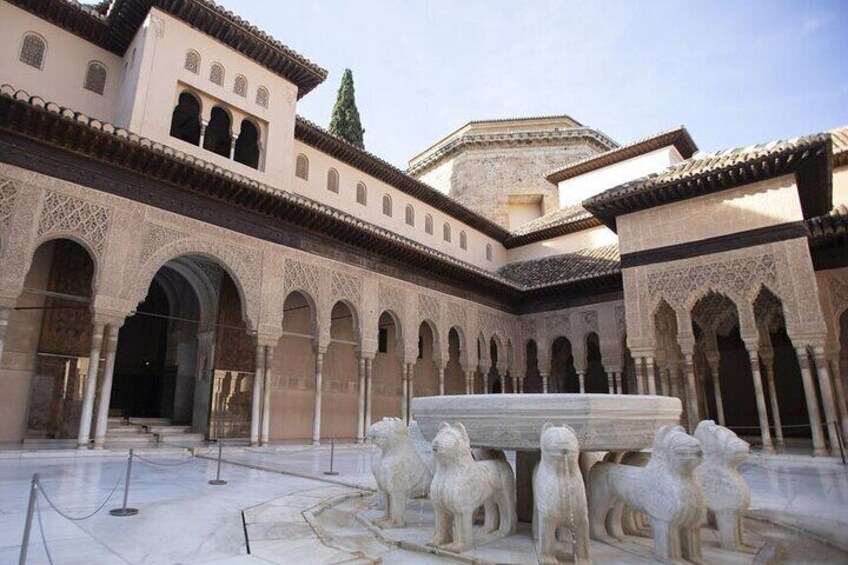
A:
767, 450
820, 452
83, 445
781, 444
254, 443
316, 442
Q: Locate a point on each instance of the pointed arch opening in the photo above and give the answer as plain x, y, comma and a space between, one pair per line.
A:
218, 133
387, 383
247, 145
341, 374
185, 119
563, 374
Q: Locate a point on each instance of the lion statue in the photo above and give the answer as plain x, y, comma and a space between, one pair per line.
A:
398, 469
559, 498
665, 490
462, 484
727, 494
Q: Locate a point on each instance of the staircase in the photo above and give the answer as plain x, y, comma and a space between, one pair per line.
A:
145, 432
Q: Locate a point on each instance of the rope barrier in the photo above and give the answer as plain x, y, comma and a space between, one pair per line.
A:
87, 516
41, 529
161, 464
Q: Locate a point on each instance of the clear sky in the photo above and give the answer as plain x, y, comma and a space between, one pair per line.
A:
733, 72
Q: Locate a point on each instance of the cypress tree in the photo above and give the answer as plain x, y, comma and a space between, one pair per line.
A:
345, 120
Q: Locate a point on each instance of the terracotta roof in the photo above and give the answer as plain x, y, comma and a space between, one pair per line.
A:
678, 137
567, 268
559, 222
116, 30
321, 139
706, 173
839, 137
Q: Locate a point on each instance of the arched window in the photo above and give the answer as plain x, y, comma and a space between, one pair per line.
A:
362, 194
95, 77
192, 61
185, 120
446, 232
463, 240
488, 252
247, 145
333, 180
410, 215
216, 74
33, 50
301, 167
428, 224
387, 205
217, 137
240, 86
262, 97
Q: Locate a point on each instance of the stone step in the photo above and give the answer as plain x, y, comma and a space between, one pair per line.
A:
169, 429
116, 420
150, 421
181, 439
131, 440
124, 430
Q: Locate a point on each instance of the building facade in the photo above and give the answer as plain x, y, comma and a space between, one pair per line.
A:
178, 245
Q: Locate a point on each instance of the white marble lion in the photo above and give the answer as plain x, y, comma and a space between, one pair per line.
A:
559, 497
462, 484
398, 469
665, 490
727, 494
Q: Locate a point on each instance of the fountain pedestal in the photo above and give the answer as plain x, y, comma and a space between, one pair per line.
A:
513, 422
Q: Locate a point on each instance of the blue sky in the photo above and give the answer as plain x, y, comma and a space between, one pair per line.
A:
735, 73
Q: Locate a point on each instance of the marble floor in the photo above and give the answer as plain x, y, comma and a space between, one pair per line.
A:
281, 508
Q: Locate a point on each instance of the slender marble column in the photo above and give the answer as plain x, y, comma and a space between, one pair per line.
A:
691, 393
650, 375
826, 389
233, 140
4, 325
819, 448
410, 370
641, 371
316, 413
618, 379
203, 124
665, 380
762, 413
504, 379
360, 404
404, 402
84, 436
106, 386
714, 364
836, 378
581, 379
544, 382
369, 367
265, 435
441, 381
610, 382
256, 407
768, 368
469, 382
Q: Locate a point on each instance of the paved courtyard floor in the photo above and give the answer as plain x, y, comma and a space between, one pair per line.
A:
280, 507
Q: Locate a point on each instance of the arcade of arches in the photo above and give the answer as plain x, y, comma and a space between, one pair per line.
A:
323, 350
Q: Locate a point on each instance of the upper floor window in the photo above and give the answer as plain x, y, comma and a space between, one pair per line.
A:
301, 167
387, 205
185, 120
262, 97
95, 77
33, 50
240, 86
361, 194
410, 215
428, 224
192, 62
333, 181
216, 74
218, 137
446, 232
247, 145
488, 252
463, 240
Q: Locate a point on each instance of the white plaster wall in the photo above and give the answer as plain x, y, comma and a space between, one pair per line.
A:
577, 189
840, 186
163, 76
585, 239
757, 205
316, 188
62, 77
520, 214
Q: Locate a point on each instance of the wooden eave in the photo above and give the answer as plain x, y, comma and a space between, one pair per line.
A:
811, 163
115, 32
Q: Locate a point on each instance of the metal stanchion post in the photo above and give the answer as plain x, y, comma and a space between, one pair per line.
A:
33, 493
332, 456
839, 440
218, 480
124, 511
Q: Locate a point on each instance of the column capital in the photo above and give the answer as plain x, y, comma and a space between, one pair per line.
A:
267, 340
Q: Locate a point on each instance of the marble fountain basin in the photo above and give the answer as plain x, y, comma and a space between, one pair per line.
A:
603, 422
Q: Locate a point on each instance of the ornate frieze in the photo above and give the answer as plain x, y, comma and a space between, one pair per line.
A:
65, 214
302, 276
8, 193
345, 286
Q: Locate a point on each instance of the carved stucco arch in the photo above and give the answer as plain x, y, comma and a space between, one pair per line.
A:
244, 275
463, 355
357, 319
95, 257
314, 322
437, 343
